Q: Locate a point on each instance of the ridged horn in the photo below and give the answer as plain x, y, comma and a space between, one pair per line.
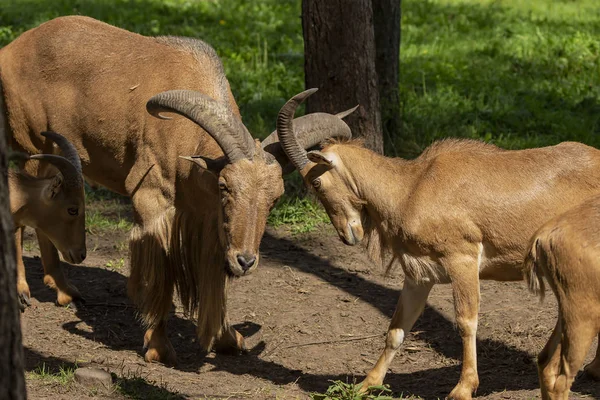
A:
298, 135
215, 118
285, 129
71, 177
68, 150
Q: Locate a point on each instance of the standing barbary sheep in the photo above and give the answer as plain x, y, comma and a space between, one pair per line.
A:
198, 223
462, 211
566, 250
53, 205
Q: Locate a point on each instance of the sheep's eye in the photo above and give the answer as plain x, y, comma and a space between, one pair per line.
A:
316, 183
222, 185
73, 211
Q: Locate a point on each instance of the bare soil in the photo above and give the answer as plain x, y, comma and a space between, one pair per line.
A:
309, 288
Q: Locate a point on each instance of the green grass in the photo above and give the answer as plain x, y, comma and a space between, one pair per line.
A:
98, 222
260, 42
300, 214
511, 72
349, 391
106, 211
63, 376
516, 73
116, 264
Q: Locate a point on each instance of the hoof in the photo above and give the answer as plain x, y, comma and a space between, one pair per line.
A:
460, 393
232, 342
167, 357
75, 305
158, 348
367, 383
68, 297
24, 300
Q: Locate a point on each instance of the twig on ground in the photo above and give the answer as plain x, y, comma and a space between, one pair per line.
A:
326, 342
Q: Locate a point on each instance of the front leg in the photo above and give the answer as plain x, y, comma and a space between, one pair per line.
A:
230, 342
464, 274
411, 304
53, 273
22, 286
157, 345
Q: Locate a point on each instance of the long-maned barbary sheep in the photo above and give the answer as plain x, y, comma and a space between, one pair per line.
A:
462, 211
53, 205
197, 223
566, 250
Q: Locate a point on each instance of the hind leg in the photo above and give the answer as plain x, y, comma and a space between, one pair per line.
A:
22, 286
465, 289
593, 368
549, 360
53, 273
576, 340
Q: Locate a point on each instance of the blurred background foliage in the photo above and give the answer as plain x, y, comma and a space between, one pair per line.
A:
517, 73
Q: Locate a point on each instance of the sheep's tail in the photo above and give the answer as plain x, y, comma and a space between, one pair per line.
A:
533, 269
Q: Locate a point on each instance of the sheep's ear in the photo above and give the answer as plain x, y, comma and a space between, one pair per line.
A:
319, 157
53, 188
214, 166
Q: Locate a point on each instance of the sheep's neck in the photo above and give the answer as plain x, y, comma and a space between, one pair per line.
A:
384, 183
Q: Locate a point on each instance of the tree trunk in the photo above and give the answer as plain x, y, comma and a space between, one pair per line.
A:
386, 20
339, 59
12, 379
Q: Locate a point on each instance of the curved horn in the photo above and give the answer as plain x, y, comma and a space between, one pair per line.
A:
344, 114
309, 130
285, 129
70, 174
215, 118
68, 150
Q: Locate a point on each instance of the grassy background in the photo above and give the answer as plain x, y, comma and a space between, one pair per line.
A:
516, 73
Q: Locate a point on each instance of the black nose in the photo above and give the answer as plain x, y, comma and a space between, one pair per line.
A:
246, 261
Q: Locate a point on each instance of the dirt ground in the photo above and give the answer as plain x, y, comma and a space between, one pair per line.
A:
309, 288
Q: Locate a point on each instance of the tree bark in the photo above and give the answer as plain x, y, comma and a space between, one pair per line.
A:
12, 379
386, 20
339, 59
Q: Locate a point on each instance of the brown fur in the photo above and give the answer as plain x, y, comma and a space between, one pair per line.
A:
566, 250
91, 81
462, 211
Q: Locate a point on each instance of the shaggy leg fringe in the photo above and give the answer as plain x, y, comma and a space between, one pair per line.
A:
182, 251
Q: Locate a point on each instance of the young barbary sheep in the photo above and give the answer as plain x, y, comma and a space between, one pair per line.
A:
55, 206
462, 211
566, 250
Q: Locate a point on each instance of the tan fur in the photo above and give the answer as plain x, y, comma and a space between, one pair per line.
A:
31, 205
91, 81
566, 250
462, 211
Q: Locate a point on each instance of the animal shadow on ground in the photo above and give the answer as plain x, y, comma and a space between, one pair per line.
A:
501, 367
131, 385
107, 309
113, 320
